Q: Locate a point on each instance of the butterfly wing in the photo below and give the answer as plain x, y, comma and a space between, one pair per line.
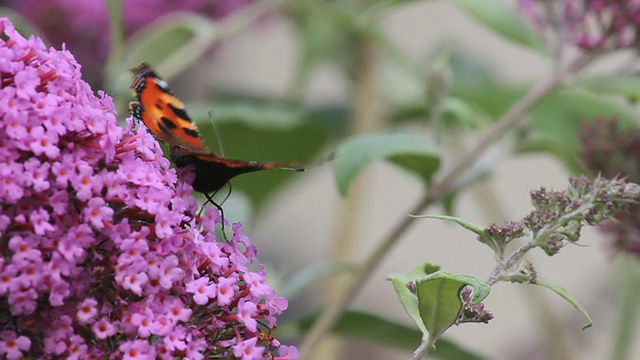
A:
162, 112
165, 116
213, 172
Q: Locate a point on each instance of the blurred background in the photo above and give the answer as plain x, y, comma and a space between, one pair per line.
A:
291, 80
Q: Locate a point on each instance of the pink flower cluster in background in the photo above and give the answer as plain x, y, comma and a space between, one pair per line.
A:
102, 253
587, 24
611, 150
84, 25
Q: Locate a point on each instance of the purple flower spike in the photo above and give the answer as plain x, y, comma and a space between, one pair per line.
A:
587, 24
102, 253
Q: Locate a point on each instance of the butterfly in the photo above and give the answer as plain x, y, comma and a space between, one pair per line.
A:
166, 118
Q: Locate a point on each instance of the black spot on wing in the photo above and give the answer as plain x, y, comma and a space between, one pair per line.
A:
168, 123
181, 113
191, 132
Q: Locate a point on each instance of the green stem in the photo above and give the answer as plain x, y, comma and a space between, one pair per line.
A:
425, 346
117, 34
513, 115
438, 190
629, 307
498, 272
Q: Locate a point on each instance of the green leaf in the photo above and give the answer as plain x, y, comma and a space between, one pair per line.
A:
407, 298
477, 229
259, 115
319, 39
504, 20
380, 7
457, 110
262, 130
565, 295
366, 326
483, 237
439, 300
300, 143
557, 120
628, 86
412, 152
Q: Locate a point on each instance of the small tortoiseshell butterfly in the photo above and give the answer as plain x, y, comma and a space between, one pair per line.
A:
166, 118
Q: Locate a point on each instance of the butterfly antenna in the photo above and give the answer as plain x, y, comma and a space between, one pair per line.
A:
217, 132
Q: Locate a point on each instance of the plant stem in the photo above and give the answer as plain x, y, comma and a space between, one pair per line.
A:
366, 116
422, 350
117, 31
438, 190
496, 274
628, 306
509, 119
506, 264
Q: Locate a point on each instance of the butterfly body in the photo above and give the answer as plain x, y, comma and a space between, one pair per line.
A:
166, 118
213, 172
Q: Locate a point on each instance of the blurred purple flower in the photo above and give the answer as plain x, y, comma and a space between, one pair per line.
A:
102, 253
611, 151
84, 25
587, 24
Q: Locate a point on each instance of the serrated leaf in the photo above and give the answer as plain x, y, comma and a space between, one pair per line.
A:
565, 295
439, 299
412, 152
504, 20
408, 299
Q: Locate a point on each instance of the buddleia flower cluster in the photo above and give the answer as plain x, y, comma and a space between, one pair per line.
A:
102, 253
557, 219
610, 149
587, 24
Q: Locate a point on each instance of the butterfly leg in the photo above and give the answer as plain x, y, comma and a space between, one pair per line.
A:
210, 200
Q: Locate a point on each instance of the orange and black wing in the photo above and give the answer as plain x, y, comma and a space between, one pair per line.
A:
162, 112
165, 116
